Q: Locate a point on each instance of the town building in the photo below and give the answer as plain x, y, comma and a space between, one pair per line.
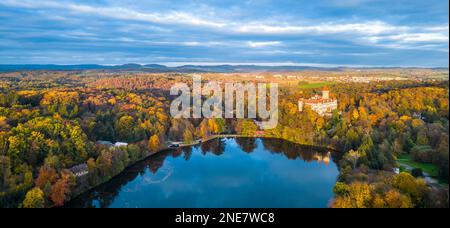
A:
112, 145
323, 105
80, 170
119, 144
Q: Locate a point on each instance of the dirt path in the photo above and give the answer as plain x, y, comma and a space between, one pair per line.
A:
430, 180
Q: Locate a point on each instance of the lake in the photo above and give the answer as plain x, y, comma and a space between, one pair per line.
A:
229, 172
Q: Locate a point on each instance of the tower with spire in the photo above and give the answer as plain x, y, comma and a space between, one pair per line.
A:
325, 92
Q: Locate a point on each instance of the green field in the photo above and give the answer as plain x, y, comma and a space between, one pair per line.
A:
313, 85
431, 169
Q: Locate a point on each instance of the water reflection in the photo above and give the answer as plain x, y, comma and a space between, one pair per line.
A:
230, 172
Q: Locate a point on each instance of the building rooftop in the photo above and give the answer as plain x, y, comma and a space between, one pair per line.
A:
79, 168
317, 99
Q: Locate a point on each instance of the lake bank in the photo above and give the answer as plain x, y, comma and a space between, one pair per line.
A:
184, 145
217, 164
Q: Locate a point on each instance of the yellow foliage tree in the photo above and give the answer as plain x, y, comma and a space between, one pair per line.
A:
34, 199
154, 144
359, 195
355, 115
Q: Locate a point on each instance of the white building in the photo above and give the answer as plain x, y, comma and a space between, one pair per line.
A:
119, 144
321, 104
80, 170
111, 145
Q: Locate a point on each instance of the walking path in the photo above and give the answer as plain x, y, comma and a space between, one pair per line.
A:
430, 180
202, 140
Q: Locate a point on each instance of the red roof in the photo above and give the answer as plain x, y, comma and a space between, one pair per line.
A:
317, 101
325, 88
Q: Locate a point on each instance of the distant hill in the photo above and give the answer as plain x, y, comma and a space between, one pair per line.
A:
4, 67
181, 69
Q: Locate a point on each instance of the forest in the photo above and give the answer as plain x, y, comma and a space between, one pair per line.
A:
51, 121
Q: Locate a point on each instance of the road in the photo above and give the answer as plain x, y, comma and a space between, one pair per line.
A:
430, 180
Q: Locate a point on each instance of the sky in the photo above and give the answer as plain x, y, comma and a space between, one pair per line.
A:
262, 32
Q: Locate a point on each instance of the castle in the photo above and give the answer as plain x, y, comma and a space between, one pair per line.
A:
323, 105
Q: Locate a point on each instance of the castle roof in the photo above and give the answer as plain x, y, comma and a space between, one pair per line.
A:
318, 101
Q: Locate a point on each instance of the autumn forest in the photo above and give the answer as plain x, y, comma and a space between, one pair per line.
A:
52, 121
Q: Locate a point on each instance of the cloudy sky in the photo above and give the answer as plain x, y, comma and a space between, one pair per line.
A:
270, 32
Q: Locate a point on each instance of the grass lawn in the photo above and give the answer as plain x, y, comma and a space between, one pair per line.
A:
313, 85
431, 169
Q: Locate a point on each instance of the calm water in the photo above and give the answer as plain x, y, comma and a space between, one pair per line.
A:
242, 172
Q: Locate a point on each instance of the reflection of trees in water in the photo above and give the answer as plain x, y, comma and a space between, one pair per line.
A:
248, 145
157, 160
293, 150
107, 192
177, 152
187, 153
216, 146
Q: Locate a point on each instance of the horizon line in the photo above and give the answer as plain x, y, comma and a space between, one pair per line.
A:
261, 64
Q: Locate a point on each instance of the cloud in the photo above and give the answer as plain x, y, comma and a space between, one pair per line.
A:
173, 17
254, 44
247, 31
371, 27
419, 37
30, 4
250, 27
127, 14
349, 3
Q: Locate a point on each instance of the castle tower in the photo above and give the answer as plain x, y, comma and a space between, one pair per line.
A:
300, 105
325, 93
